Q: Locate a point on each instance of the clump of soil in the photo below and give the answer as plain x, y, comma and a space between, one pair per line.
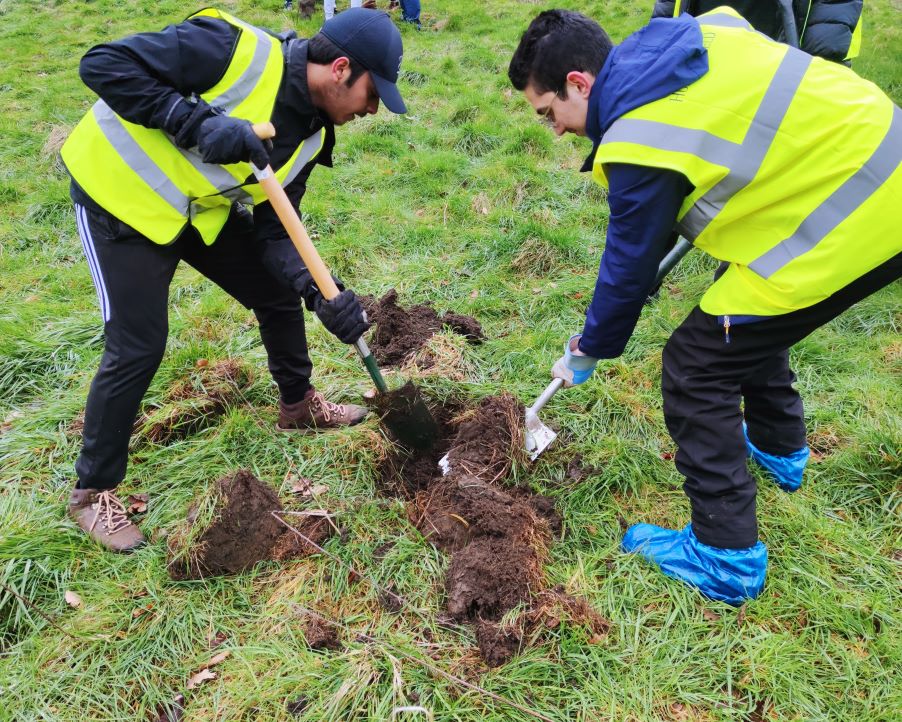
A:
195, 402
320, 634
232, 528
497, 535
401, 331
290, 546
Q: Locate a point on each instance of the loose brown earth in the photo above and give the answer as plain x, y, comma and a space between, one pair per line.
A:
401, 331
242, 532
497, 535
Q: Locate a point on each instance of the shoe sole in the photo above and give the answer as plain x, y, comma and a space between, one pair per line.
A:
313, 429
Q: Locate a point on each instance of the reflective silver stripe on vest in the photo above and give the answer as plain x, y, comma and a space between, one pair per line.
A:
664, 136
744, 166
137, 159
309, 148
235, 94
841, 203
217, 176
725, 21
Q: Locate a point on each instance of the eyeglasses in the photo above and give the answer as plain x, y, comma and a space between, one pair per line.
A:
546, 114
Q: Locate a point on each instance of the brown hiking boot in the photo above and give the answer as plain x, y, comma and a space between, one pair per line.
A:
100, 513
314, 412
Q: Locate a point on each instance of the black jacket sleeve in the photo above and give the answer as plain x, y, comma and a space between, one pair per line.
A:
146, 78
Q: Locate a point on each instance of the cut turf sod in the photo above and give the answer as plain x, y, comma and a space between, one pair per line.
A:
231, 528
195, 402
400, 331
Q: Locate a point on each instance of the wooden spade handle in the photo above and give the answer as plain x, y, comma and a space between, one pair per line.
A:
292, 222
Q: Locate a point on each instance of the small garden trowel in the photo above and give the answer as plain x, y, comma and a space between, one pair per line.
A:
538, 436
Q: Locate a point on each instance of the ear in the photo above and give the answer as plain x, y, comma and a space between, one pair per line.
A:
340, 69
581, 81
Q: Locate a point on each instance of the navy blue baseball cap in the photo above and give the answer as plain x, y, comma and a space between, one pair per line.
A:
371, 38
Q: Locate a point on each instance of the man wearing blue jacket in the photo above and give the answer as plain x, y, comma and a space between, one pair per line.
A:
784, 167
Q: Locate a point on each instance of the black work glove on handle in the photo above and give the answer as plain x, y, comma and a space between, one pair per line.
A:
343, 316
223, 139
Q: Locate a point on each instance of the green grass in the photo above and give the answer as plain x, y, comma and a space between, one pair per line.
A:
469, 205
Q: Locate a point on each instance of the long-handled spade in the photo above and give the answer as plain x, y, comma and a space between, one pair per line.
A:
403, 411
538, 435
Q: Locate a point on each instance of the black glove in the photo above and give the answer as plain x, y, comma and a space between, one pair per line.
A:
223, 139
310, 292
343, 316
185, 124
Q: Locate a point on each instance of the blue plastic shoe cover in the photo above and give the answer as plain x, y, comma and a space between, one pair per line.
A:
729, 575
786, 470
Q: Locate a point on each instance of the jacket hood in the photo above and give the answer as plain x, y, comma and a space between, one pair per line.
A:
664, 56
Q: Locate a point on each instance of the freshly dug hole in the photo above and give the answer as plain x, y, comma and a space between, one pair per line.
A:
400, 331
231, 528
497, 534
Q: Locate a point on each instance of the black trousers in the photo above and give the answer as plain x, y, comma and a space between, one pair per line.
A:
703, 382
132, 276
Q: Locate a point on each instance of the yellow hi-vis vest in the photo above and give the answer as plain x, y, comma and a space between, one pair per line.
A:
140, 176
795, 162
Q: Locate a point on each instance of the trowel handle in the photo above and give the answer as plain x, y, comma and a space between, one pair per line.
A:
545, 397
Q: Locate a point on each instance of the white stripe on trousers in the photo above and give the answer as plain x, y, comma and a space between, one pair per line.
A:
87, 242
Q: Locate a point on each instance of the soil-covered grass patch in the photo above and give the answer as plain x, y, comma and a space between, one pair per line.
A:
232, 527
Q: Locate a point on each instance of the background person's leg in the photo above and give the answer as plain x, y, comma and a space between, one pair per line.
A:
132, 276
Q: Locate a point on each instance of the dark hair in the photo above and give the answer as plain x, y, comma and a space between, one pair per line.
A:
322, 51
556, 43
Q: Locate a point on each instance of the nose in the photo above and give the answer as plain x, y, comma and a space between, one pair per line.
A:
373, 107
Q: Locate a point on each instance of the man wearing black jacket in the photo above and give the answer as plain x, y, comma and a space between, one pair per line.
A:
160, 175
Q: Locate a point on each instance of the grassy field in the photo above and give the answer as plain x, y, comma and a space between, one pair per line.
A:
468, 204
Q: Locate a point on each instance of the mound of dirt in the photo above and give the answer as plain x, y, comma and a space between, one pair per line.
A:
497, 535
401, 331
232, 528
193, 403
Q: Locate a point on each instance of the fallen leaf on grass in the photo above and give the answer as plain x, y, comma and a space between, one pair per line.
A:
216, 640
740, 617
305, 487
137, 503
139, 611
72, 599
198, 679
171, 711
201, 363
474, 293
217, 658
710, 616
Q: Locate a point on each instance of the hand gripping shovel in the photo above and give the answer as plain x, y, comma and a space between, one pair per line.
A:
539, 436
403, 411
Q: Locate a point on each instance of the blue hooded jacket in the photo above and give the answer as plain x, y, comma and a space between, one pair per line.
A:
664, 56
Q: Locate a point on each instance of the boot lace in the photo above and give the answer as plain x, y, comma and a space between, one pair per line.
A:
327, 408
111, 512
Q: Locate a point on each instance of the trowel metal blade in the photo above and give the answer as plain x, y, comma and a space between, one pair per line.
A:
538, 436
